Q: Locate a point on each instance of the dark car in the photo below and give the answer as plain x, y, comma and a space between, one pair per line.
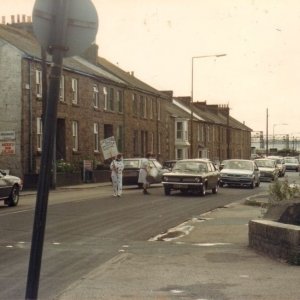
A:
239, 172
268, 169
132, 169
10, 186
292, 163
197, 175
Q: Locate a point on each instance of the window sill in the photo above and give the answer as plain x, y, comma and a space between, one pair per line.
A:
76, 152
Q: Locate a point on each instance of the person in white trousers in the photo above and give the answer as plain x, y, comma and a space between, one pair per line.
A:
144, 170
117, 167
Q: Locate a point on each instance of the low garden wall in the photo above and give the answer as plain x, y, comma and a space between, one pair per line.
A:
64, 179
278, 240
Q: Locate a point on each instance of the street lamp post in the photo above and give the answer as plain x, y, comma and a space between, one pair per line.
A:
192, 95
274, 125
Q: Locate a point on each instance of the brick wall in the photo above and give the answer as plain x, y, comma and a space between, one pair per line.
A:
278, 240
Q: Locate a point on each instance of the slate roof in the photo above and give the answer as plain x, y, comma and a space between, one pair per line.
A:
27, 43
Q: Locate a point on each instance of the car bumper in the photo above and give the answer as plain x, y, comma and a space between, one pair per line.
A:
237, 182
181, 185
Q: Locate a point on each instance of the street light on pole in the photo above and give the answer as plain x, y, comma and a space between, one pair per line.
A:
274, 125
192, 92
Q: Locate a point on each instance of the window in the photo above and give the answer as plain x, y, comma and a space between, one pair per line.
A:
75, 135
158, 110
151, 109
62, 89
179, 153
181, 130
134, 104
74, 91
39, 133
96, 137
120, 101
159, 145
105, 98
142, 107
135, 142
151, 142
120, 138
207, 134
111, 99
95, 96
200, 133
38, 82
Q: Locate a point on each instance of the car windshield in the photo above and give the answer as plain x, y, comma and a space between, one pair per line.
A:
291, 160
190, 167
267, 163
131, 164
238, 165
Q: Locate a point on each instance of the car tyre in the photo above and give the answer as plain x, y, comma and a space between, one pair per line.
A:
14, 196
167, 191
203, 190
257, 183
252, 185
221, 184
215, 189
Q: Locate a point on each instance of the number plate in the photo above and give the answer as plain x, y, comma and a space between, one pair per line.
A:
178, 186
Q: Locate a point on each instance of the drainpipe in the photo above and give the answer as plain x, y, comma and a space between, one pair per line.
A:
30, 158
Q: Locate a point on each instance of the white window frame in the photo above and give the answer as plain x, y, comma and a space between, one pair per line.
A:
38, 82
95, 96
39, 133
75, 135
74, 91
96, 137
62, 88
105, 94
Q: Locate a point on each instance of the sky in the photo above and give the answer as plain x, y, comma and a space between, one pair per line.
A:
157, 40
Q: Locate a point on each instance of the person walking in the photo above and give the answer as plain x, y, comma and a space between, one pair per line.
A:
117, 167
144, 170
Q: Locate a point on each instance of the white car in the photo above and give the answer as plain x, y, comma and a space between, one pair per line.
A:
239, 172
10, 186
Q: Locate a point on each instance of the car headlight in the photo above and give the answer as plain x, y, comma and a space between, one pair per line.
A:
197, 179
165, 178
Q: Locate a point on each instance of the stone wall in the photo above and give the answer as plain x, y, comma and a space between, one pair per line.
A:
277, 240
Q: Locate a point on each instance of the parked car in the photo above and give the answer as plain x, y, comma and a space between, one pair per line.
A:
268, 169
132, 169
280, 164
10, 186
239, 172
292, 163
197, 175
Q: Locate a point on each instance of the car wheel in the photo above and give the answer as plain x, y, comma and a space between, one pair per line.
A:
13, 199
215, 189
252, 185
167, 191
140, 185
203, 190
221, 184
257, 183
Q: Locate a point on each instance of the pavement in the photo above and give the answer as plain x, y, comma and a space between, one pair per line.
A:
207, 257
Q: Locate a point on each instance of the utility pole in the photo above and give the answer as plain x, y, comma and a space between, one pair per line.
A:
267, 133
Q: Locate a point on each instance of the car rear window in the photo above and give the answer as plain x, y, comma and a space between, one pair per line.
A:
131, 164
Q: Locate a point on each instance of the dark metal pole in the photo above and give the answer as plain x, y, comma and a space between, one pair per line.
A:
57, 48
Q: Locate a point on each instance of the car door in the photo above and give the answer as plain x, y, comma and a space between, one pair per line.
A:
5, 186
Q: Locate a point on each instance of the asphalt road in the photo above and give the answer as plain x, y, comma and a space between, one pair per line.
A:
86, 228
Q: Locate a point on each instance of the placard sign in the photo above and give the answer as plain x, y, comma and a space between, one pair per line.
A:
109, 147
7, 148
